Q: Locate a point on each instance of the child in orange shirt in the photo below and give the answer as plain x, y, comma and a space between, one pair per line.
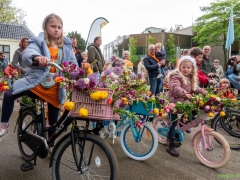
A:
10, 72
224, 89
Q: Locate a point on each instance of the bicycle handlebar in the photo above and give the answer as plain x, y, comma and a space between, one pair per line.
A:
36, 63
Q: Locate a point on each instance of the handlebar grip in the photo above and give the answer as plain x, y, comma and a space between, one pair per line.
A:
35, 63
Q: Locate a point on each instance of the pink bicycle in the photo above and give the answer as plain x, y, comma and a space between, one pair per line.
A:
210, 147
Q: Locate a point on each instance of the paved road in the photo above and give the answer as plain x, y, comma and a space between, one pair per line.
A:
160, 166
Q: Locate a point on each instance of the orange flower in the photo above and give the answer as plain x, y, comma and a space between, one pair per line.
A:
149, 93
59, 79
86, 65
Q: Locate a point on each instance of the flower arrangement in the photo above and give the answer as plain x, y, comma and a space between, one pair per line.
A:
3, 83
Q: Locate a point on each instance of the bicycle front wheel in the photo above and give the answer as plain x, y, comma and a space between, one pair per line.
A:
217, 151
141, 148
160, 122
99, 160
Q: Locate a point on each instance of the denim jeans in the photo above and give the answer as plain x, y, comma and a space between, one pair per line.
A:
155, 85
233, 78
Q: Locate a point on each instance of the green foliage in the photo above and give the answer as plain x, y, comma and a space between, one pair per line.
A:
171, 49
133, 49
150, 40
81, 43
212, 27
10, 13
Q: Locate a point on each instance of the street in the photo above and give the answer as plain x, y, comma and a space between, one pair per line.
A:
160, 166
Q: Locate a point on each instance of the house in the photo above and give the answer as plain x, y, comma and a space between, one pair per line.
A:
10, 36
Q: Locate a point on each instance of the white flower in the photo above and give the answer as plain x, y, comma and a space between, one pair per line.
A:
86, 80
218, 99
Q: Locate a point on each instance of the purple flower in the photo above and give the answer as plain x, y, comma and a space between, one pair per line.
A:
81, 84
139, 75
121, 105
117, 71
73, 75
65, 64
102, 85
161, 101
55, 75
81, 72
118, 64
133, 76
113, 58
93, 78
107, 72
92, 84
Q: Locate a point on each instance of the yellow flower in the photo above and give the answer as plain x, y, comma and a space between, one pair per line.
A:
201, 103
234, 100
156, 111
222, 113
96, 96
69, 105
103, 95
89, 71
210, 114
5, 82
162, 111
124, 99
83, 112
213, 96
6, 87
212, 107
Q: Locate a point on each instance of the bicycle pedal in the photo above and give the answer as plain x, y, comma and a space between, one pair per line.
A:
27, 166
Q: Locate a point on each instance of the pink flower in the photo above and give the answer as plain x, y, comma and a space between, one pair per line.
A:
171, 106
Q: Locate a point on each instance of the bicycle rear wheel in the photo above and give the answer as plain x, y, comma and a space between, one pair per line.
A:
217, 153
233, 142
36, 127
101, 164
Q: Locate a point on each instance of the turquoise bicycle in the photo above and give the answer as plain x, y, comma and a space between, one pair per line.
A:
138, 143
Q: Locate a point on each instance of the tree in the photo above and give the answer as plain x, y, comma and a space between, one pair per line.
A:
81, 43
212, 27
10, 13
150, 40
178, 27
171, 49
133, 49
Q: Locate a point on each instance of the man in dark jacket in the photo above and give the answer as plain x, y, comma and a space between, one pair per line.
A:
207, 66
76, 51
3, 62
94, 53
152, 64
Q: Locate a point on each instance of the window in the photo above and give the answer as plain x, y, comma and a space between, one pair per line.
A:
140, 50
6, 50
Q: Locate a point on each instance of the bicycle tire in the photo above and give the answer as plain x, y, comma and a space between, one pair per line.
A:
226, 122
27, 153
160, 122
129, 149
233, 142
97, 163
223, 145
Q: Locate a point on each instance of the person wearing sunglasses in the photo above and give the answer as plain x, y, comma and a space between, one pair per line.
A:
3, 62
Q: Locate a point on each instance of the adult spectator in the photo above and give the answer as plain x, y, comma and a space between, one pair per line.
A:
234, 77
142, 70
76, 51
229, 69
128, 63
3, 62
95, 53
219, 69
184, 52
17, 57
207, 66
152, 64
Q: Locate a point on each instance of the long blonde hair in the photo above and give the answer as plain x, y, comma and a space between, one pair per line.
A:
193, 76
60, 40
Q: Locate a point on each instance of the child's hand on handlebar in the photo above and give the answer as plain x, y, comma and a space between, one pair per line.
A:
43, 61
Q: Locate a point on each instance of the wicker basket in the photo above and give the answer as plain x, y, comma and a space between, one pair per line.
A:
97, 110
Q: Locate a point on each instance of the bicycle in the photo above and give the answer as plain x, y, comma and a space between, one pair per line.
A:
143, 141
229, 126
204, 139
78, 151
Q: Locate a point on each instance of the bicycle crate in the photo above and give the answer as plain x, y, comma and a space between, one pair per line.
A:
140, 109
98, 110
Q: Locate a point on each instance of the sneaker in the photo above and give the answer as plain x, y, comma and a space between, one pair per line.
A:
3, 130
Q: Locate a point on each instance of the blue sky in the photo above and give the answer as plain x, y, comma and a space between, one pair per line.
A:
124, 16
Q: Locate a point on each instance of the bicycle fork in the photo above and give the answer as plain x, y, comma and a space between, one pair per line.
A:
208, 146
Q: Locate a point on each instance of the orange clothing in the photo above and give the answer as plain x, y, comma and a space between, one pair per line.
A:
49, 94
10, 71
223, 94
